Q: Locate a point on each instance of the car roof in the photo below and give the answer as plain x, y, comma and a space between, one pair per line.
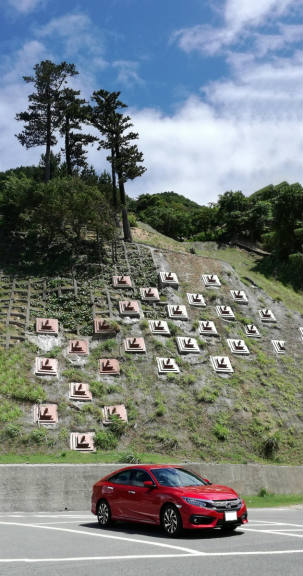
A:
149, 466
142, 467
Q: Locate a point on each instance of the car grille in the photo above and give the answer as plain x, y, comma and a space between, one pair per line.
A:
226, 505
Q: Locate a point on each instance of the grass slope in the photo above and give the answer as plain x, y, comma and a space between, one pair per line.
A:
251, 415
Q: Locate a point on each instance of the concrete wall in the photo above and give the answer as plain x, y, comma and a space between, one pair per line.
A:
55, 487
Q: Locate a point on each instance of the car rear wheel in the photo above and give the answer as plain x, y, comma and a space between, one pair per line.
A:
171, 520
103, 514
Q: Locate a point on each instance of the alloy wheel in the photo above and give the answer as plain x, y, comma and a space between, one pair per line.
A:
171, 521
103, 514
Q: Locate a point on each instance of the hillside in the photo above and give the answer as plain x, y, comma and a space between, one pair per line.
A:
253, 414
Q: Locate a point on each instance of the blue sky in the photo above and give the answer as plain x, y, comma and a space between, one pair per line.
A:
213, 86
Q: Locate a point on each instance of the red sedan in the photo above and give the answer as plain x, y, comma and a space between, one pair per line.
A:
169, 496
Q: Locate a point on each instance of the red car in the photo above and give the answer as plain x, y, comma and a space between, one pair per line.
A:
169, 496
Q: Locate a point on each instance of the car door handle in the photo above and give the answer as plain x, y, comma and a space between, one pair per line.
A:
132, 492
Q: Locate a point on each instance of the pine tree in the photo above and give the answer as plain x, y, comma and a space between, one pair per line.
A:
124, 155
73, 112
41, 117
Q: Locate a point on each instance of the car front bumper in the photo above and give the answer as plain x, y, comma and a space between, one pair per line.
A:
195, 517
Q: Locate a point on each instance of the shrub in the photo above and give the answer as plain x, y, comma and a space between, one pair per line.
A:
97, 388
173, 328
187, 379
144, 324
270, 445
160, 406
132, 219
207, 394
12, 431
105, 440
262, 492
220, 431
9, 412
130, 458
117, 426
37, 436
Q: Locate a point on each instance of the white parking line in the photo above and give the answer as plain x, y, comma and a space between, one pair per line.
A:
102, 535
264, 523
148, 556
279, 532
56, 523
28, 515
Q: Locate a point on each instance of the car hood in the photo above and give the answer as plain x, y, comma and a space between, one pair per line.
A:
212, 492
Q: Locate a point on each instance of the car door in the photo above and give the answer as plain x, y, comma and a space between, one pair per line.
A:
116, 492
143, 502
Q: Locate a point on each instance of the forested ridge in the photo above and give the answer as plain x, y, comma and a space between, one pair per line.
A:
49, 211
270, 219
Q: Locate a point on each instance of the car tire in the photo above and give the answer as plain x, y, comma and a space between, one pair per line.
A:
104, 514
171, 521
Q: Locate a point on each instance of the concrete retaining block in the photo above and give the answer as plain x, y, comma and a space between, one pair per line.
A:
55, 487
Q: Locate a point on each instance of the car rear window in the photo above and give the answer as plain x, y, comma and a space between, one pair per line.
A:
121, 477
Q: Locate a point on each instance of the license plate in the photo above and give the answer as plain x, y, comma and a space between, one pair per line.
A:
230, 516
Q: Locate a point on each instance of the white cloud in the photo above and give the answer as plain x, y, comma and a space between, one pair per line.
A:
25, 6
286, 36
242, 133
203, 38
127, 72
239, 21
77, 33
239, 13
13, 99
259, 90
244, 136
200, 154
21, 63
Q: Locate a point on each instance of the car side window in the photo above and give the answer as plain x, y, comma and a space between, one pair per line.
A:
121, 478
138, 477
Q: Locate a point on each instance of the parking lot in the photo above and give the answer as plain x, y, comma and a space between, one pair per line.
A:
71, 543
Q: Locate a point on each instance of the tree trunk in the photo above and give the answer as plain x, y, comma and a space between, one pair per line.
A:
115, 200
67, 148
125, 222
126, 227
47, 173
114, 185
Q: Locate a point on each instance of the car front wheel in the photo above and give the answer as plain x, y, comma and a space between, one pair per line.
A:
171, 520
103, 514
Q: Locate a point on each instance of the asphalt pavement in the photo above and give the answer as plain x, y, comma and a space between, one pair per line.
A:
72, 544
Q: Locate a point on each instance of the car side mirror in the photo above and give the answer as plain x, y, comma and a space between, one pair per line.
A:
149, 484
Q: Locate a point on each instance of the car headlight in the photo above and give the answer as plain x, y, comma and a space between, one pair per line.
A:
199, 502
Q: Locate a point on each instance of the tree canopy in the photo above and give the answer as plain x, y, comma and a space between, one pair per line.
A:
56, 109
270, 219
117, 137
41, 118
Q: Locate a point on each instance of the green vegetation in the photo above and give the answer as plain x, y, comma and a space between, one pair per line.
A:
15, 380
71, 457
270, 218
247, 266
265, 500
59, 247
47, 210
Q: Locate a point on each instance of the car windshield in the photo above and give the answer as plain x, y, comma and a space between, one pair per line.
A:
177, 477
